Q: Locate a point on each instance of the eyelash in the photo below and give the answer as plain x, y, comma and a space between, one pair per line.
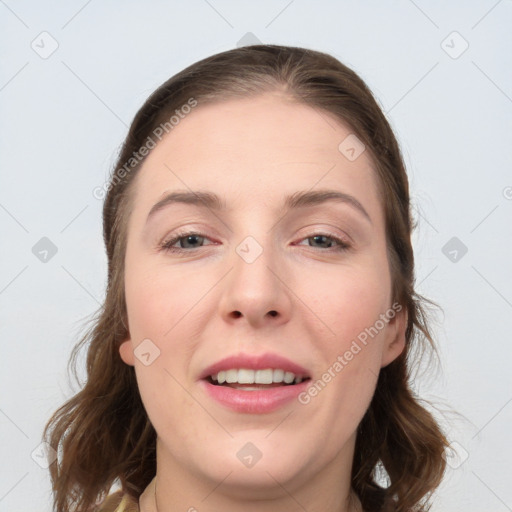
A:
167, 244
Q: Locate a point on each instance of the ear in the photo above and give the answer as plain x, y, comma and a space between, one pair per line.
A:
126, 352
395, 341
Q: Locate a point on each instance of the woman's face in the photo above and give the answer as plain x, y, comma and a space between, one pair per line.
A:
300, 287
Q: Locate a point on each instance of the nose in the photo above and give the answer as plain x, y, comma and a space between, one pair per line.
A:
256, 291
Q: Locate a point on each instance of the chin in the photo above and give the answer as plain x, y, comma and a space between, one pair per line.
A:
264, 479
256, 466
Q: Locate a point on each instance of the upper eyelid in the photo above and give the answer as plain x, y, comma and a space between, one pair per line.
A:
322, 212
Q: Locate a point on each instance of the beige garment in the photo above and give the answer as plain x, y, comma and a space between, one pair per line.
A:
119, 502
147, 498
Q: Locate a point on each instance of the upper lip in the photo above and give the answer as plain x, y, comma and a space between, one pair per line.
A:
254, 362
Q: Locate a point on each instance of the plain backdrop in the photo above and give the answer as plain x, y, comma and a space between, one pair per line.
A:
74, 73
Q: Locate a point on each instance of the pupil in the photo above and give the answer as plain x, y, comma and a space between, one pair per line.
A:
190, 239
318, 238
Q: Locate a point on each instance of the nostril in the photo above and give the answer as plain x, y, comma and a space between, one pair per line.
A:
273, 313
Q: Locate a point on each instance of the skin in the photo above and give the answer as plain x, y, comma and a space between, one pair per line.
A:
202, 306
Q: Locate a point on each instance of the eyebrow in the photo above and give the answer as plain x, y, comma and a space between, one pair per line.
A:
297, 200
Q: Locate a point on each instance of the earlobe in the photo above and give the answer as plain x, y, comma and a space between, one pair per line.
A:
126, 352
395, 343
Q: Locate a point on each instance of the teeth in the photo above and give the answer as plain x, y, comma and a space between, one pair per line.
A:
289, 377
278, 376
231, 376
245, 376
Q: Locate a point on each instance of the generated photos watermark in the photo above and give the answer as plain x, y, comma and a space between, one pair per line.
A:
137, 156
343, 360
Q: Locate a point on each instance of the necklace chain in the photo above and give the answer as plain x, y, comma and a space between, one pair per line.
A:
156, 504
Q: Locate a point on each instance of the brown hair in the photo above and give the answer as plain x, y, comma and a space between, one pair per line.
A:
103, 433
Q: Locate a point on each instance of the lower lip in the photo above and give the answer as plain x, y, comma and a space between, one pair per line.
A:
254, 402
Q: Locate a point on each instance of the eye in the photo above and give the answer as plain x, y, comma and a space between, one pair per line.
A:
194, 240
328, 241
186, 241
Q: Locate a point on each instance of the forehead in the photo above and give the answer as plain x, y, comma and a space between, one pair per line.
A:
256, 148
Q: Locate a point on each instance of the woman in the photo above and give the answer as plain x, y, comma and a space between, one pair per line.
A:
253, 349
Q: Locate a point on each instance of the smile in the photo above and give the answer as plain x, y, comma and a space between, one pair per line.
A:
244, 376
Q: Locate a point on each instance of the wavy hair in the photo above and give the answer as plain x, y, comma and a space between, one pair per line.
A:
103, 434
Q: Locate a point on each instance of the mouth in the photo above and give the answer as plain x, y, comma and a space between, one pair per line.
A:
246, 379
254, 384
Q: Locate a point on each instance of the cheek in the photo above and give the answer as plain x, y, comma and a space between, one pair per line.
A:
348, 301
350, 305
343, 388
160, 307
164, 398
157, 301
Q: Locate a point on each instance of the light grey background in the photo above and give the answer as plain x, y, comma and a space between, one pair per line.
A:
64, 116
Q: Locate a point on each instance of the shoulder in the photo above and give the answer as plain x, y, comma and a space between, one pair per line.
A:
119, 502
